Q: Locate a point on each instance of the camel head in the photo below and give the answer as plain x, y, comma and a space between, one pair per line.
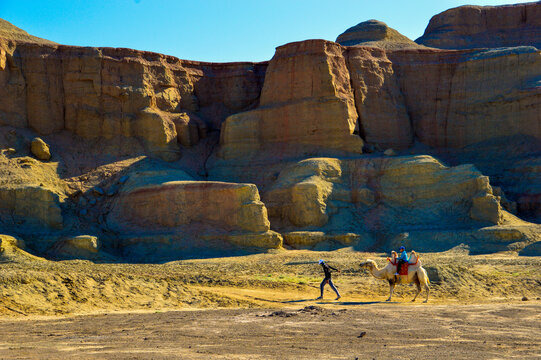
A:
368, 264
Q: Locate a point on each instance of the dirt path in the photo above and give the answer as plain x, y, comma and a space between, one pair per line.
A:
391, 331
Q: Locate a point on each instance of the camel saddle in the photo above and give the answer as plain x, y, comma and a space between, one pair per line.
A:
404, 268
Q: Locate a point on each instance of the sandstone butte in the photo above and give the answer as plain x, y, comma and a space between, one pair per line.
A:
368, 144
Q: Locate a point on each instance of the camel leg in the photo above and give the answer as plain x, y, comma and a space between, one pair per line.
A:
391, 289
427, 292
418, 284
423, 278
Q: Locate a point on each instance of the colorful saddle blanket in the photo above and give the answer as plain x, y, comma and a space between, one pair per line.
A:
404, 268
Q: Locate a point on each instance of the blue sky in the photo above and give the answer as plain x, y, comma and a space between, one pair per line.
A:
214, 30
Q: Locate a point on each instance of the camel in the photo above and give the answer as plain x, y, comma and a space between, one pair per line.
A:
416, 274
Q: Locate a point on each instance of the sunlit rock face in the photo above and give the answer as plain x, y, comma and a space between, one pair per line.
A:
473, 27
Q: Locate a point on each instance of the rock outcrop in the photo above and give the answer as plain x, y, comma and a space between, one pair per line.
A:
473, 27
306, 106
78, 247
380, 195
12, 249
153, 202
375, 33
28, 206
233, 207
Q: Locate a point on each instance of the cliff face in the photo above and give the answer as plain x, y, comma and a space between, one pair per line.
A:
306, 105
471, 27
111, 93
306, 132
458, 98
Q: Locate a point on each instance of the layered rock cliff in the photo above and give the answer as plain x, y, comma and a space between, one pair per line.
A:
472, 27
155, 158
122, 93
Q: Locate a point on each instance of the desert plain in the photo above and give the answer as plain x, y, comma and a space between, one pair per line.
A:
154, 207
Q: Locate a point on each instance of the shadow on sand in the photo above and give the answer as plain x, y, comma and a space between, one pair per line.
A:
342, 303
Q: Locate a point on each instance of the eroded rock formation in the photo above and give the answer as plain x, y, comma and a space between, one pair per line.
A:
347, 146
111, 93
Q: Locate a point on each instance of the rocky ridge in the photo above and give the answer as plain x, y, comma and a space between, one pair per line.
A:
153, 158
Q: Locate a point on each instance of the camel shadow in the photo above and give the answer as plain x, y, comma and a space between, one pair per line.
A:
342, 303
349, 303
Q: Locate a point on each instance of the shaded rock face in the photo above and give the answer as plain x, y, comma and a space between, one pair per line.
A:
455, 99
472, 27
30, 206
374, 33
383, 116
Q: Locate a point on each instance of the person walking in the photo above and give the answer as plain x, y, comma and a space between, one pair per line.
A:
327, 270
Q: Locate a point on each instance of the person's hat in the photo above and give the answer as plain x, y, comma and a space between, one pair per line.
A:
321, 261
402, 248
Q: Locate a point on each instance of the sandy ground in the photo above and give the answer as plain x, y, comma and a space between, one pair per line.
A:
344, 330
263, 306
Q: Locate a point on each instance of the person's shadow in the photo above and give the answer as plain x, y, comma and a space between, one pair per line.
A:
346, 303
297, 301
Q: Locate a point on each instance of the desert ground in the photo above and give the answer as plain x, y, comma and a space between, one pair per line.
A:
263, 306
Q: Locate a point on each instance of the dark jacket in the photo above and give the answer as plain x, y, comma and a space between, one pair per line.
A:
327, 270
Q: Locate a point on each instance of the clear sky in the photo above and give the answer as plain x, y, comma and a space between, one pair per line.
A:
214, 30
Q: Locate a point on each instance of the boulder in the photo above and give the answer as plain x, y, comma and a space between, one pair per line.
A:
190, 129
40, 149
78, 247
